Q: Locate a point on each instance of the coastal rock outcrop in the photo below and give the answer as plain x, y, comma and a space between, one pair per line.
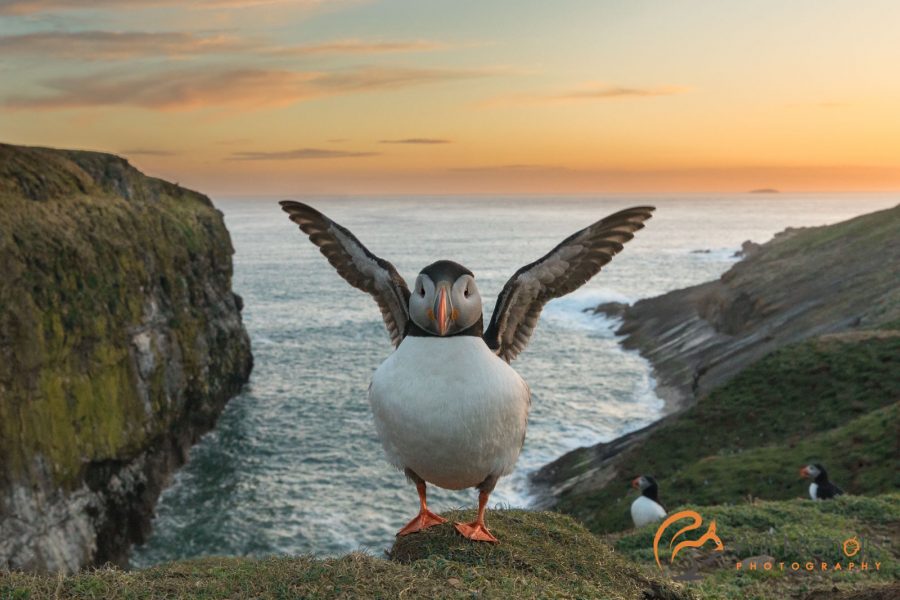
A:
802, 283
120, 343
830, 284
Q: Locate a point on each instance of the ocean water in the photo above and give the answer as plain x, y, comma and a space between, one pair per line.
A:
294, 465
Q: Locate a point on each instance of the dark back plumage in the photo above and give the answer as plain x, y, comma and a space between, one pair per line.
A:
652, 490
446, 270
825, 489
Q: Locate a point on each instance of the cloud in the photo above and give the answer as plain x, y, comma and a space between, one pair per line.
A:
233, 141
27, 7
147, 152
107, 45
606, 92
587, 93
194, 88
820, 105
299, 154
374, 78
355, 47
511, 169
424, 141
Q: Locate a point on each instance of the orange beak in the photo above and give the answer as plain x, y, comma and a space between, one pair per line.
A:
442, 311
635, 483
804, 473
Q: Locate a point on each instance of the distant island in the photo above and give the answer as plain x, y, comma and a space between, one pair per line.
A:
765, 191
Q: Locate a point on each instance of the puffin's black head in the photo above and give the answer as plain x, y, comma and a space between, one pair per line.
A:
647, 485
445, 299
814, 471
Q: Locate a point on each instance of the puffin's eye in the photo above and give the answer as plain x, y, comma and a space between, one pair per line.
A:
466, 292
422, 291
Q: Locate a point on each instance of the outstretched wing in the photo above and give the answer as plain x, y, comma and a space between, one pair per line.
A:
564, 269
356, 264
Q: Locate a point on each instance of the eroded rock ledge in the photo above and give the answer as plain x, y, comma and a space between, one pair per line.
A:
802, 283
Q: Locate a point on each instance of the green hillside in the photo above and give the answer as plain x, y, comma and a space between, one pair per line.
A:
833, 399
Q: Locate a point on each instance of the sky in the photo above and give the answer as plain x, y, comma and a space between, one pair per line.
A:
306, 97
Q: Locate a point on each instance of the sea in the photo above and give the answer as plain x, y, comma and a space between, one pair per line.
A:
294, 465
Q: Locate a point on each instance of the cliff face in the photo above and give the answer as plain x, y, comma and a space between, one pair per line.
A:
120, 342
761, 368
803, 283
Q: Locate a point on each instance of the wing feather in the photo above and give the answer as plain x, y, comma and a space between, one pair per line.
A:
561, 271
359, 267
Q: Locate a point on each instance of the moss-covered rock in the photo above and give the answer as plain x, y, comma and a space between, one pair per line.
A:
120, 342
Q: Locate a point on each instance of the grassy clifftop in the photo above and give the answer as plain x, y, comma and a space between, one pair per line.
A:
792, 356
547, 555
542, 555
834, 399
783, 533
120, 341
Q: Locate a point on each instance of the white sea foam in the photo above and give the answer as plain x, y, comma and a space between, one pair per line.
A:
575, 311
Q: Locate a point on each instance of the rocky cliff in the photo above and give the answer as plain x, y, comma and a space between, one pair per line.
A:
792, 356
802, 283
120, 342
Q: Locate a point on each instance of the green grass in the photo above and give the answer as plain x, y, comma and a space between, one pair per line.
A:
800, 531
832, 399
544, 555
541, 555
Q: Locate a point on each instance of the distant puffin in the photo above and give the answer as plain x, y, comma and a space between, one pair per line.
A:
646, 507
448, 408
821, 488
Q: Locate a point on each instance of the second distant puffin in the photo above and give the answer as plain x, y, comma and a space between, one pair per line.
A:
646, 508
821, 488
448, 407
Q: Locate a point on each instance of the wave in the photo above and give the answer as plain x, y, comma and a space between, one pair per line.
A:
575, 311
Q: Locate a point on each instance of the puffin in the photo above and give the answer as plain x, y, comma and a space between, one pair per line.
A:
646, 507
449, 409
821, 487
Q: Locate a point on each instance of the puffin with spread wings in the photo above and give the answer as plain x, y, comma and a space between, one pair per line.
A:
448, 408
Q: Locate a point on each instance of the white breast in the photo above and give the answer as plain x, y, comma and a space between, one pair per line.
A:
450, 410
813, 489
644, 510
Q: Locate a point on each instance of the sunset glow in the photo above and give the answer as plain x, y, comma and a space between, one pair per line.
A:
286, 98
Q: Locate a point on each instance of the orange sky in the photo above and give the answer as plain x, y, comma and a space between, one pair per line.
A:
292, 97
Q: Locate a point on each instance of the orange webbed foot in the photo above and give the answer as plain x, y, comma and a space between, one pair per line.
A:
476, 531
423, 520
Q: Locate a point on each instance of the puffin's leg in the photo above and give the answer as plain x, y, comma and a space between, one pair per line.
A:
477, 530
425, 518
